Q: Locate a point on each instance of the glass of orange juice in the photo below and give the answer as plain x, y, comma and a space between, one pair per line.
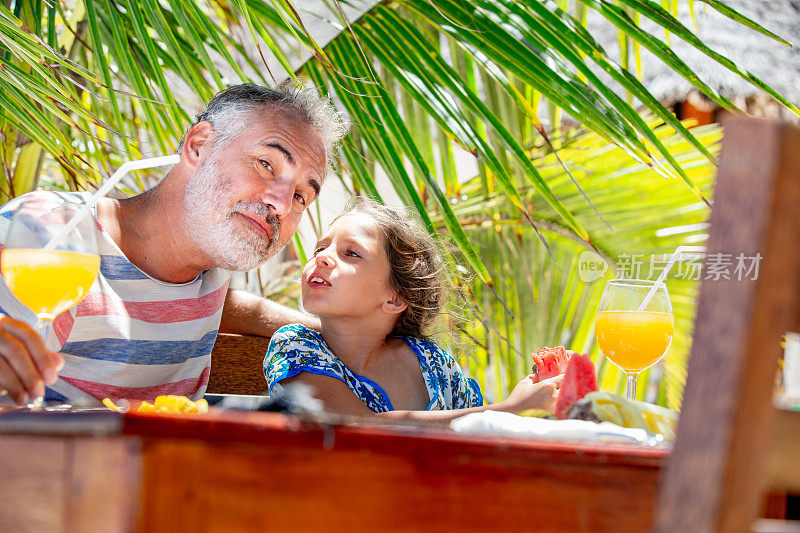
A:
632, 337
49, 280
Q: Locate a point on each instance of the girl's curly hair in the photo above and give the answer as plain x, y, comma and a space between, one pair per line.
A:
416, 266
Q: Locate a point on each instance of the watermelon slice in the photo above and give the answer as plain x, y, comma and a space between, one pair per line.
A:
550, 362
579, 381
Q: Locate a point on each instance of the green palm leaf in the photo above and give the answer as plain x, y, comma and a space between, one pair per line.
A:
552, 306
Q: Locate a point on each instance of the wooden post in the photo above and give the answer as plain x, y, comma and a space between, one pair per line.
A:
715, 476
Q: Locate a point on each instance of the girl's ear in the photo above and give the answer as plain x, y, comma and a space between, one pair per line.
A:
395, 306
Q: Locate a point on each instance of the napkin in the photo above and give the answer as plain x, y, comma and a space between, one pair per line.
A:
510, 425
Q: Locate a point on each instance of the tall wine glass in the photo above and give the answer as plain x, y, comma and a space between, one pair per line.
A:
632, 338
49, 280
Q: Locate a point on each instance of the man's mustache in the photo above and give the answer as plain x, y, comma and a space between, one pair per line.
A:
260, 210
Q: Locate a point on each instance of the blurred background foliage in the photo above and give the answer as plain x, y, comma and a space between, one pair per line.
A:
428, 84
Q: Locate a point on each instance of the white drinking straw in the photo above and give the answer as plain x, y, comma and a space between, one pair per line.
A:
107, 186
679, 251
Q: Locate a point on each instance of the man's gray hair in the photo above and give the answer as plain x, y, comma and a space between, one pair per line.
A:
231, 109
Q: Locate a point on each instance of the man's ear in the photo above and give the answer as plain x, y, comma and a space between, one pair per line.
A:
395, 306
197, 144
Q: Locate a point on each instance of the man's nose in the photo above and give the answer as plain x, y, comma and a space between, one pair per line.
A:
278, 196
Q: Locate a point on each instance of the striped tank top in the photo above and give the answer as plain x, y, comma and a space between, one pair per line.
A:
132, 336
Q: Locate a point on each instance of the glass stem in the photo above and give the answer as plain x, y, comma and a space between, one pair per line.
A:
44, 326
631, 394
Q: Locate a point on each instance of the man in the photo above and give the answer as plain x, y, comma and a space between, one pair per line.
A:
250, 166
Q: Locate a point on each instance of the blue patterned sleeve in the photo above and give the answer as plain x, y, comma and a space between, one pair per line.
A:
464, 391
294, 349
284, 353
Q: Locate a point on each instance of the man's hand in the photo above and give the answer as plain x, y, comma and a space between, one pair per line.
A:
26, 366
530, 395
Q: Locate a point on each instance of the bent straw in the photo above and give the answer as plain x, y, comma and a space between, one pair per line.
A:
107, 186
680, 250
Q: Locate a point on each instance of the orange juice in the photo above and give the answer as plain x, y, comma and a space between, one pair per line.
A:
48, 281
633, 340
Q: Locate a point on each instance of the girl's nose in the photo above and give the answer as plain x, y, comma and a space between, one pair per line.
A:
324, 258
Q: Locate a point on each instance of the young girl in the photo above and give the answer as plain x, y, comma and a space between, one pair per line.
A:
375, 282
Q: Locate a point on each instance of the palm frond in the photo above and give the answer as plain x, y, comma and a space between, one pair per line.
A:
649, 218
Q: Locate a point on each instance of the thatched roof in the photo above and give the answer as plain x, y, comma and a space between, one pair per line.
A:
776, 64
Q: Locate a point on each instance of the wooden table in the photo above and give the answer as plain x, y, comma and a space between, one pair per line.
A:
251, 471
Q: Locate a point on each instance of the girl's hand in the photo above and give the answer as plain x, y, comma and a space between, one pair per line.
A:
530, 395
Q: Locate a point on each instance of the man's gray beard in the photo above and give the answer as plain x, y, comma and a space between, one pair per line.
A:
209, 222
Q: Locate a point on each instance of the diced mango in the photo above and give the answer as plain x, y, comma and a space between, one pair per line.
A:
111, 405
169, 404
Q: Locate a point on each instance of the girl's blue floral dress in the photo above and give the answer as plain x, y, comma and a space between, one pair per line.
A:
295, 348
